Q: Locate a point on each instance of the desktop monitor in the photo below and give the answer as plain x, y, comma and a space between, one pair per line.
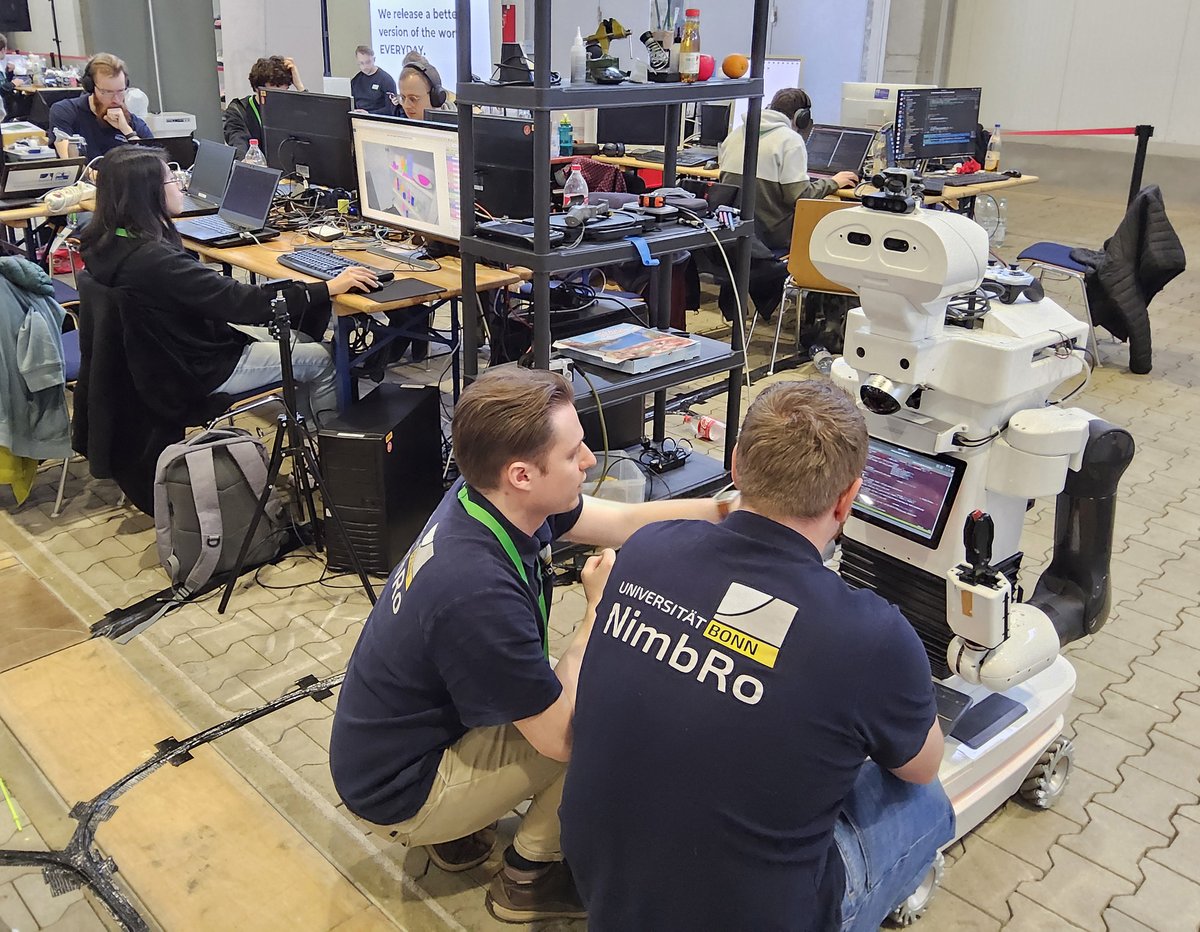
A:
872, 105
908, 493
633, 126
778, 73
714, 123
448, 117
938, 123
309, 134
408, 175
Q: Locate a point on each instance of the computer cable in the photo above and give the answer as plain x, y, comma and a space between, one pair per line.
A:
603, 429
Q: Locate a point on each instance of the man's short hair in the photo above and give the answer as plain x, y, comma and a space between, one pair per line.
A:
272, 71
3, 41
106, 65
789, 100
801, 446
365, 50
504, 416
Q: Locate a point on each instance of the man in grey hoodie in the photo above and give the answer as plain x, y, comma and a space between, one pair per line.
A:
782, 166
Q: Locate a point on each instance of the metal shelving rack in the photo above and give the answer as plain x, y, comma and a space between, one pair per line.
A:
543, 261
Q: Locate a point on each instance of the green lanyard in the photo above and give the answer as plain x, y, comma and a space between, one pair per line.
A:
486, 519
254, 106
121, 231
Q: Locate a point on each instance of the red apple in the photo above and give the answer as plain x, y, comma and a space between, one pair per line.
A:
708, 65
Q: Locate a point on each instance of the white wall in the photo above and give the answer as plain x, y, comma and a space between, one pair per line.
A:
40, 37
252, 29
1080, 64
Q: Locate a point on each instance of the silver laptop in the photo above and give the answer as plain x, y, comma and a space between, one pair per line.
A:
210, 178
22, 184
833, 149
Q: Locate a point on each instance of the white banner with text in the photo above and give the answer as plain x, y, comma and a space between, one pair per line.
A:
431, 28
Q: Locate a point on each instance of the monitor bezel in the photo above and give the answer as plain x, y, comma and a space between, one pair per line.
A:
934, 541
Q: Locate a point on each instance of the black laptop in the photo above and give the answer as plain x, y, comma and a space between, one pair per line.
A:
833, 149
243, 214
210, 178
22, 184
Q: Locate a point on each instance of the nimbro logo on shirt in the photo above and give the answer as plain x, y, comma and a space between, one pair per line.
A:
748, 622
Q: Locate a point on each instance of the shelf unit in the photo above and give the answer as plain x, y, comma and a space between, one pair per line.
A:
540, 99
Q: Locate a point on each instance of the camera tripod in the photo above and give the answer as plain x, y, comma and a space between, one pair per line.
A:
292, 440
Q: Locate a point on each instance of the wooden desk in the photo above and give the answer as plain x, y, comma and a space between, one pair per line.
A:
262, 260
16, 132
628, 161
951, 195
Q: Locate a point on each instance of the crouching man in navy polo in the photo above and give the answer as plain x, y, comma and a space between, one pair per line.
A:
756, 744
451, 713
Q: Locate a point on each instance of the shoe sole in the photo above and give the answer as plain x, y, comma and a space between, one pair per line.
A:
504, 914
452, 868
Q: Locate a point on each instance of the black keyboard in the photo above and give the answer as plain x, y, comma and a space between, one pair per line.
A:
935, 185
209, 227
951, 704
319, 263
684, 158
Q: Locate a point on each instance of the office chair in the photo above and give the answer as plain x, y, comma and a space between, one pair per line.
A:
803, 276
1056, 259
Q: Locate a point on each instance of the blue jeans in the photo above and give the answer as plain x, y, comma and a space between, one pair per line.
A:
888, 834
312, 364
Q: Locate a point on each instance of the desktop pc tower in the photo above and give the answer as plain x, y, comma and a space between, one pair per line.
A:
382, 463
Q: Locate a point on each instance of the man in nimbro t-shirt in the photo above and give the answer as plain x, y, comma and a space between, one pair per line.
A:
755, 743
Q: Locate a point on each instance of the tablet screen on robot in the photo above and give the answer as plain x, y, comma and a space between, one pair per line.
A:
907, 492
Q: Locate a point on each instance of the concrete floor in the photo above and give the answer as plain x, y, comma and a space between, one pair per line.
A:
1120, 851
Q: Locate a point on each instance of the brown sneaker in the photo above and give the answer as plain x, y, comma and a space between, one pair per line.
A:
462, 854
528, 896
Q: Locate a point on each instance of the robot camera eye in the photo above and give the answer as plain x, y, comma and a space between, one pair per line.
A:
883, 396
859, 239
895, 244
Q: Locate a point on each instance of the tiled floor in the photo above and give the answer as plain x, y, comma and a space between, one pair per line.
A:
1120, 851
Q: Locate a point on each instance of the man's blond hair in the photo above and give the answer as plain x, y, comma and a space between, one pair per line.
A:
504, 416
801, 446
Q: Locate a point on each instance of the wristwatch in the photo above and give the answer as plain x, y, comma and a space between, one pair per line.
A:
132, 135
727, 502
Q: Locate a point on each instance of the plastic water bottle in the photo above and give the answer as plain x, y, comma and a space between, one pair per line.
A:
822, 359
578, 59
705, 427
575, 191
1001, 222
566, 136
987, 215
254, 155
991, 161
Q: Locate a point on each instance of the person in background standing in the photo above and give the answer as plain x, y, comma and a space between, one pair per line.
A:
372, 88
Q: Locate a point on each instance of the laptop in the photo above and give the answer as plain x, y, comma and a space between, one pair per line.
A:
244, 210
210, 177
833, 149
178, 149
22, 184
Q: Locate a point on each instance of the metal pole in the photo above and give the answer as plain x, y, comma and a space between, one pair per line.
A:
58, 63
1144, 132
325, 36
154, 52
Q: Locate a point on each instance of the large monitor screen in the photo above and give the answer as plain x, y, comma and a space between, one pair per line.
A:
408, 175
938, 123
907, 492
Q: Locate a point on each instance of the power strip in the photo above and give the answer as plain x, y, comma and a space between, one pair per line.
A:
660, 461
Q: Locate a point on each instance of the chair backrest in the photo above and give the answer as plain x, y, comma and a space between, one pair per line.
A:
808, 214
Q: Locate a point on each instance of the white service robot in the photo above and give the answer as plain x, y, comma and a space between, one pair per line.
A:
956, 393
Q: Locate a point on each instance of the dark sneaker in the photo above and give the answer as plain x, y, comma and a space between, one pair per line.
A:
464, 853
529, 896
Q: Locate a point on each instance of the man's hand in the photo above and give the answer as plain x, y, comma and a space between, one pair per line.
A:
846, 179
291, 66
115, 117
595, 574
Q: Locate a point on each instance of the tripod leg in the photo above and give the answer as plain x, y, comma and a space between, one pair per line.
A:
298, 443
259, 511
337, 520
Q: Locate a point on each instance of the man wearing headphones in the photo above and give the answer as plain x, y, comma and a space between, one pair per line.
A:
99, 115
420, 88
243, 115
782, 166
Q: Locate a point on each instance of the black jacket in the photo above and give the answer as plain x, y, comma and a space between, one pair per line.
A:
1136, 264
155, 342
240, 124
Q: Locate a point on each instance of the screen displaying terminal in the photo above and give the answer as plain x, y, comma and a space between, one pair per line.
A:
907, 492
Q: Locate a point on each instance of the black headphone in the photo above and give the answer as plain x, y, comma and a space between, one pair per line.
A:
88, 81
437, 93
802, 120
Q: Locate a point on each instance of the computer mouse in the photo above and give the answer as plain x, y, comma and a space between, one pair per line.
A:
1012, 173
385, 277
711, 164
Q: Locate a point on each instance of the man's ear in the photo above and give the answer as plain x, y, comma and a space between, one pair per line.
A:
841, 508
733, 467
518, 475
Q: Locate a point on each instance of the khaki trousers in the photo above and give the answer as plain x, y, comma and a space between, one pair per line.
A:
482, 776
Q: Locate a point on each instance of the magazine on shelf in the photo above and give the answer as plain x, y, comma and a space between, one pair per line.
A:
629, 348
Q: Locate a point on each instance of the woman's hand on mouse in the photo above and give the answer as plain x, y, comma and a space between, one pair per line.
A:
354, 277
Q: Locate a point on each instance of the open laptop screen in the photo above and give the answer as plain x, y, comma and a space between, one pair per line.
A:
833, 149
248, 197
210, 174
32, 178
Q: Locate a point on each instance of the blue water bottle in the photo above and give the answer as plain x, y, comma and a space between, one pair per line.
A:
566, 137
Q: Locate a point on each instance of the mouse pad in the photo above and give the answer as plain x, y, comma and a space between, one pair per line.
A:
403, 288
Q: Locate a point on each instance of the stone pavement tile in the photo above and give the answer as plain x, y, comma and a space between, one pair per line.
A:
1183, 854
1117, 921
1132, 519
108, 549
218, 638
1146, 799
1179, 576
1080, 789
1176, 659
1091, 681
1165, 901
951, 913
1173, 761
1167, 538
336, 619
1025, 832
1076, 889
235, 696
320, 730
271, 727
1160, 604
1153, 688
1110, 652
276, 645
296, 749
281, 677
1139, 554
1100, 752
79, 917
1175, 518
1150, 497
1028, 916
283, 614
45, 907
985, 875
1128, 624
1186, 725
185, 649
237, 661
1128, 719
1188, 630
1114, 842
14, 914
319, 777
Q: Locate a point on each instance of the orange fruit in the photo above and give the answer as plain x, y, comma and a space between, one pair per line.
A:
735, 66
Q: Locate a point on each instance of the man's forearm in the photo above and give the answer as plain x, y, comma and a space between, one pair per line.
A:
569, 664
610, 524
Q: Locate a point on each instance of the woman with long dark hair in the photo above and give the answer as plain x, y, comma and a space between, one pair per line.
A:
187, 309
